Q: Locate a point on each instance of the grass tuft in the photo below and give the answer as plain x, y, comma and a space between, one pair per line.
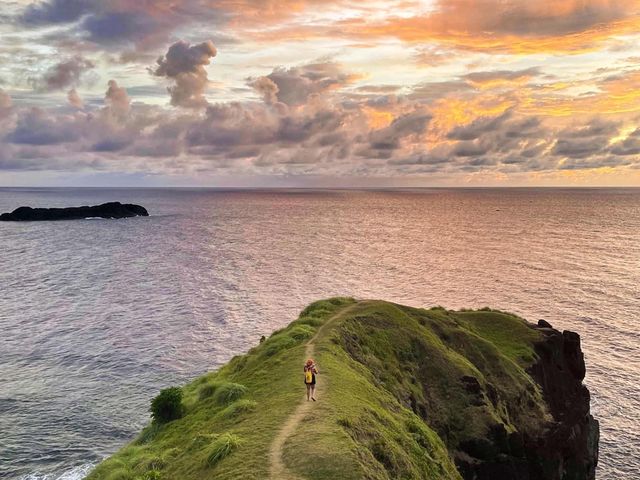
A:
207, 390
227, 393
238, 408
221, 448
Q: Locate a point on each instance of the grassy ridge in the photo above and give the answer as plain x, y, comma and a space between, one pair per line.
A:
406, 392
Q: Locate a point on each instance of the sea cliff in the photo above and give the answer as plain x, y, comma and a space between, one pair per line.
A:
403, 393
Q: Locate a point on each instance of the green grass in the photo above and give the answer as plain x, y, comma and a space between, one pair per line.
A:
222, 448
404, 392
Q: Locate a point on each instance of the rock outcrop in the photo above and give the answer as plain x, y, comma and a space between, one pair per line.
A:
569, 448
106, 210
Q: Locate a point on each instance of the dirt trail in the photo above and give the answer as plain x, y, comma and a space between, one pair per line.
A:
277, 469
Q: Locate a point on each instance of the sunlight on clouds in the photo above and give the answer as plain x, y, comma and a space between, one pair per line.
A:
484, 92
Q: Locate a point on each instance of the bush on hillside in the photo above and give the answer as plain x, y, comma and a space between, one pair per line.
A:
167, 406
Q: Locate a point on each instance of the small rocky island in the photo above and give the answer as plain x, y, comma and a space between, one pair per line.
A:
106, 210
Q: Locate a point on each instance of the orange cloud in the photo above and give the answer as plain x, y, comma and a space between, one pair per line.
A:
495, 26
616, 95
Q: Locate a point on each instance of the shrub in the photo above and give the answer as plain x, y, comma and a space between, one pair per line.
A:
222, 447
168, 405
229, 392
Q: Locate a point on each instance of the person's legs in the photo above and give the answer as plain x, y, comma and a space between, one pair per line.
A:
308, 391
313, 393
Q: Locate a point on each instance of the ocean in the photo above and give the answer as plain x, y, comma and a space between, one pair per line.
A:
96, 316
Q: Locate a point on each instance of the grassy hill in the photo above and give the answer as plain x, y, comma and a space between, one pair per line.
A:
403, 393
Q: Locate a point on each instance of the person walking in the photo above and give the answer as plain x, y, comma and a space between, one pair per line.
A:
310, 372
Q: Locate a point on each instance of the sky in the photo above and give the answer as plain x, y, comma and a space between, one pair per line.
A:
320, 93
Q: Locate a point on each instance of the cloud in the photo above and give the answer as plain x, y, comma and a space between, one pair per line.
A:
111, 23
64, 74
499, 78
627, 146
478, 127
119, 27
389, 138
116, 99
327, 128
510, 26
185, 65
296, 84
37, 127
6, 104
74, 99
267, 88
585, 141
56, 11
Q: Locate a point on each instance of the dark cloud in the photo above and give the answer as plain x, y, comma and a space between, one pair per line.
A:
594, 128
628, 146
478, 127
112, 23
598, 161
185, 65
64, 74
579, 148
37, 127
584, 141
470, 149
389, 138
56, 11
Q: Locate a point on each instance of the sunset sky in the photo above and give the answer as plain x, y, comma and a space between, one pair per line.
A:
320, 92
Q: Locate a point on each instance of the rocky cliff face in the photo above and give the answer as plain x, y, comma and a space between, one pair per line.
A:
568, 450
566, 447
504, 395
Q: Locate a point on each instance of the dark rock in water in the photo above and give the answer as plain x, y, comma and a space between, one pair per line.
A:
542, 323
106, 210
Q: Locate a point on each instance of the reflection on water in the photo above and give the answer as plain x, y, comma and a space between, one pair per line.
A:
97, 315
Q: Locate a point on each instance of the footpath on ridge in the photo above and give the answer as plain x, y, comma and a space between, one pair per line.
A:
277, 468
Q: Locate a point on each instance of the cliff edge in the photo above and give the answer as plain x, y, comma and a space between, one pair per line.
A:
403, 393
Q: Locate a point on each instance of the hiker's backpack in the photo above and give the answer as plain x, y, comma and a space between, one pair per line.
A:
308, 376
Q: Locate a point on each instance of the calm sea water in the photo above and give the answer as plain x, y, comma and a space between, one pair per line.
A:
97, 315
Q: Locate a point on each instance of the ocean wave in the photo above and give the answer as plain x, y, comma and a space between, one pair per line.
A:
76, 473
